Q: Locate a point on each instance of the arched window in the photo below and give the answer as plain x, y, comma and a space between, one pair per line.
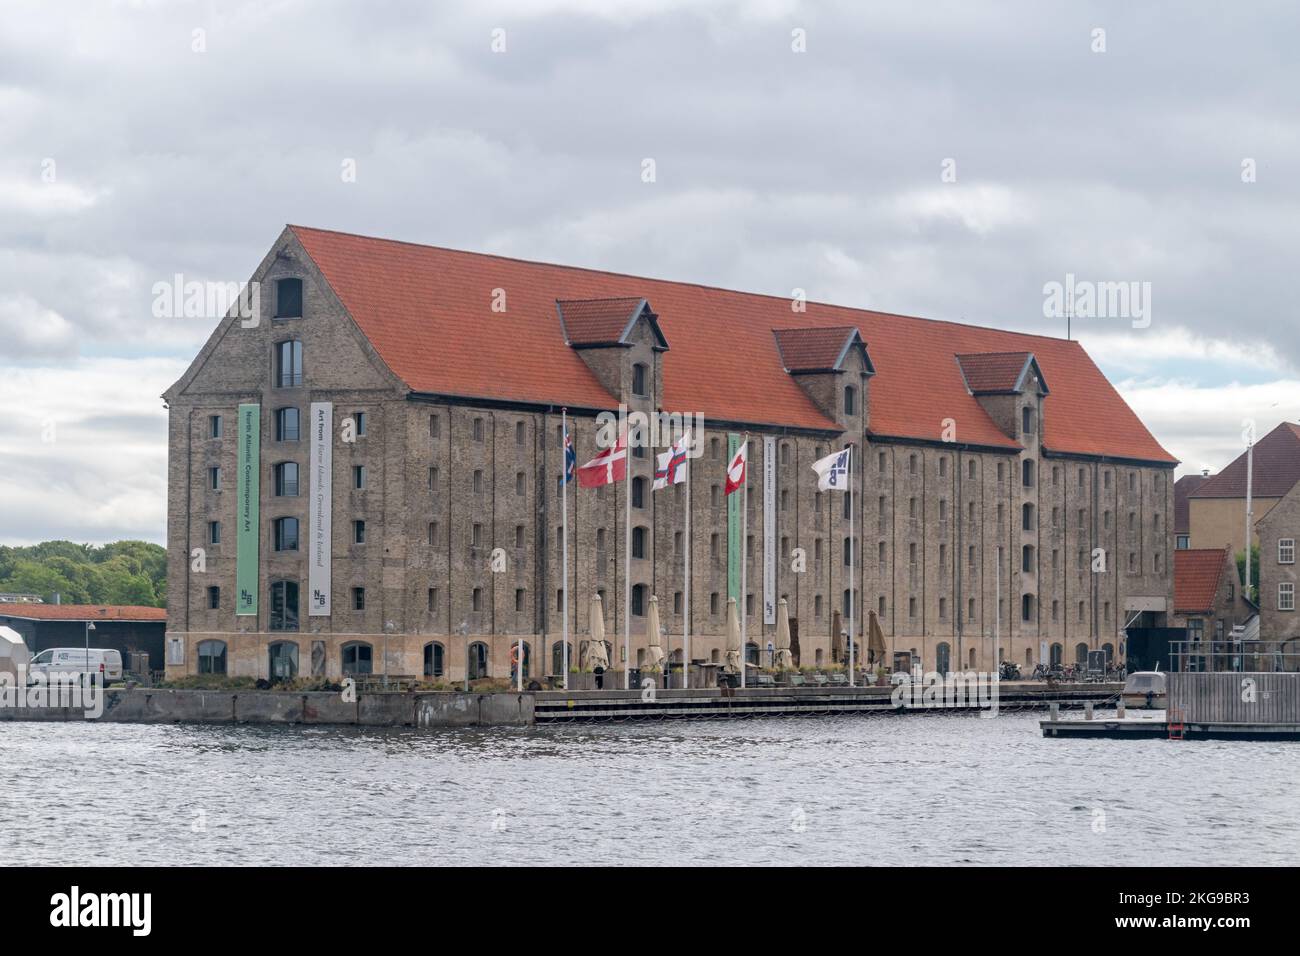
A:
1026, 421
433, 659
715, 656
1027, 473
557, 657
638, 542
478, 660
1027, 517
971, 664
1081, 653
942, 658
1029, 657
282, 660
358, 658
1056, 655
850, 400
638, 492
1026, 607
212, 657
848, 552
1027, 558
751, 653
638, 600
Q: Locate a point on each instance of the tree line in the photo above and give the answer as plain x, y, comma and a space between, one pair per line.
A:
123, 572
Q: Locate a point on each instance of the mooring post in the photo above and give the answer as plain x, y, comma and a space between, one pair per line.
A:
1119, 709
1055, 711
1087, 710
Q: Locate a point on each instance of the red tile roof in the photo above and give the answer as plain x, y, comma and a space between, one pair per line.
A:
427, 311
83, 612
1183, 488
993, 371
1197, 572
597, 321
1274, 472
812, 350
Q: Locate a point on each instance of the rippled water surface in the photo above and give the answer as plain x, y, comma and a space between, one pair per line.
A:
927, 789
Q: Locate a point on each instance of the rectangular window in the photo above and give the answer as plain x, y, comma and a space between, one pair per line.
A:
214, 532
214, 426
519, 600
288, 298
358, 599
286, 424
1286, 551
286, 534
359, 419
288, 364
435, 426
286, 479
214, 598
359, 532
476, 601
1286, 596
284, 606
214, 478
433, 600
359, 477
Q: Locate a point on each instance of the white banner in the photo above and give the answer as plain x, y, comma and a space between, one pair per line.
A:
321, 503
769, 530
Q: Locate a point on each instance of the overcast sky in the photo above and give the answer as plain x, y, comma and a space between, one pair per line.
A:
946, 161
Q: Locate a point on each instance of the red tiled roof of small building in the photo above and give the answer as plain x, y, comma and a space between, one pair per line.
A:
1197, 572
1274, 470
427, 311
83, 612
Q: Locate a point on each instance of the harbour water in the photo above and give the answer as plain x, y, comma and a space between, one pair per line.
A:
918, 789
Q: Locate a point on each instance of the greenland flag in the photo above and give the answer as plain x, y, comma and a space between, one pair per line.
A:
607, 467
833, 471
736, 470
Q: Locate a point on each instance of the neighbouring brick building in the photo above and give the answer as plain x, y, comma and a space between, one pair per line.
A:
1217, 505
1278, 532
1207, 594
342, 471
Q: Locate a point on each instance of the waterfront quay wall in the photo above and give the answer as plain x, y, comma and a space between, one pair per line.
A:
514, 709
161, 706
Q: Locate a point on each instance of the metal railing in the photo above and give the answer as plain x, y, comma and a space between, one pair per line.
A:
1235, 656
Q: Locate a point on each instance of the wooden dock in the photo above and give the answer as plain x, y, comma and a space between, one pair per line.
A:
1133, 728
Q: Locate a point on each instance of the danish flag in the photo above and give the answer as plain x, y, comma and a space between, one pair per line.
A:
607, 467
736, 470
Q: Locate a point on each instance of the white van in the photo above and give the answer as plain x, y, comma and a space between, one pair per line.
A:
107, 663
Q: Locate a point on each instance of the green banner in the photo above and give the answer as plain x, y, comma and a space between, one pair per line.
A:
247, 527
733, 528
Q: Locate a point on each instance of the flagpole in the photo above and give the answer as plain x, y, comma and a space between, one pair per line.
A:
686, 584
564, 540
744, 557
627, 566
853, 563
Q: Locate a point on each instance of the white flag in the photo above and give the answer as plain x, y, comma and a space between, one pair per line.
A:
671, 468
833, 471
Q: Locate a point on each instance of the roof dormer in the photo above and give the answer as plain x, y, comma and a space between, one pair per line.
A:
621, 342
832, 365
1010, 387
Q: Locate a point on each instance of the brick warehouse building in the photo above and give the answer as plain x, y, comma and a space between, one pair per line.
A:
396, 410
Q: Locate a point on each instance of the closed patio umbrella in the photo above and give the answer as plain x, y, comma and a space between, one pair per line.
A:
875, 638
654, 654
784, 659
732, 663
594, 654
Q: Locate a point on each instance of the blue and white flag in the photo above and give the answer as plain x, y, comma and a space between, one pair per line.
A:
833, 471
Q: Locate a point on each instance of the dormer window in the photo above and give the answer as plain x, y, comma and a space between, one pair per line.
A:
639, 380
1027, 421
850, 400
288, 298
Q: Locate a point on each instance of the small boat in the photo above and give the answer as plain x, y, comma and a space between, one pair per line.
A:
1144, 689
